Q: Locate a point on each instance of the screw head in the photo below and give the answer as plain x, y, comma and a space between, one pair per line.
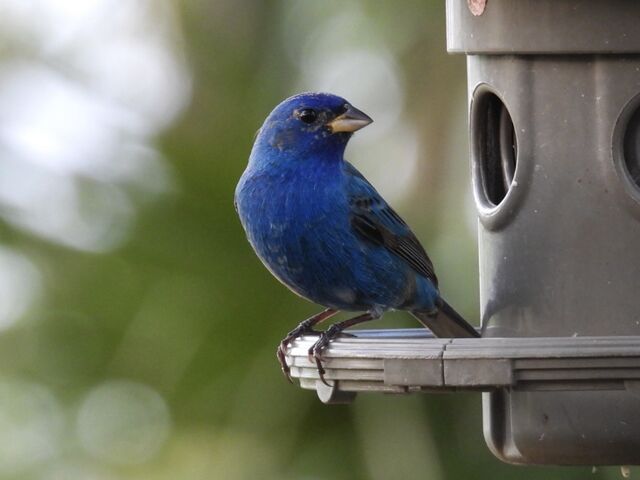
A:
476, 7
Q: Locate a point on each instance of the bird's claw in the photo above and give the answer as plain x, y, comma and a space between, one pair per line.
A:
315, 356
281, 351
282, 359
315, 352
321, 372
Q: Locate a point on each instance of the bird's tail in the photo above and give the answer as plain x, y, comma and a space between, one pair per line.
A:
446, 322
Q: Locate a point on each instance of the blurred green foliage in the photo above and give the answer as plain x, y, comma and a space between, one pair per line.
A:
185, 308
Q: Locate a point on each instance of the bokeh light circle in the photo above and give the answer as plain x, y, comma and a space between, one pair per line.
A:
123, 422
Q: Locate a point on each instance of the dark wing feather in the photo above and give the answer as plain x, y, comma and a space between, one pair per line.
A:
375, 221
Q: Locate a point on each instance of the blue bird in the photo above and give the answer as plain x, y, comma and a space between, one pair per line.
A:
325, 232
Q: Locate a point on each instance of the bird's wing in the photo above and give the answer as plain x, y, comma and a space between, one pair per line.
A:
375, 221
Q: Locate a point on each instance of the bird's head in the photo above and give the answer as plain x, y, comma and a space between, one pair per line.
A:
310, 124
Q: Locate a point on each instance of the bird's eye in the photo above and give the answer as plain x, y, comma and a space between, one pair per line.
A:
308, 115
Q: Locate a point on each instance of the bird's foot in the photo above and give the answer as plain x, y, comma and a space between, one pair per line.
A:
304, 328
315, 352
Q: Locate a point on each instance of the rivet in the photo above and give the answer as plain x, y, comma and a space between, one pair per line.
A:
476, 7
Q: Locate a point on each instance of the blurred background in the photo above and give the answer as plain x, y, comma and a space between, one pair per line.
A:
137, 328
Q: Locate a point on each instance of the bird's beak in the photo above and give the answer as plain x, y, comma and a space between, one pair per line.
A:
350, 121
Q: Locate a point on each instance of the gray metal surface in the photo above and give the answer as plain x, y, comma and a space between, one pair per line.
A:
558, 256
544, 26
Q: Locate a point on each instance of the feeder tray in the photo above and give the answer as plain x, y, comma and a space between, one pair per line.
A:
411, 360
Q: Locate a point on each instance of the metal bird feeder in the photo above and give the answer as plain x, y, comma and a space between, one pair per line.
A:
554, 109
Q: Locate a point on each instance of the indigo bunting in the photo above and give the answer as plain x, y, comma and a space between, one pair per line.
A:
325, 232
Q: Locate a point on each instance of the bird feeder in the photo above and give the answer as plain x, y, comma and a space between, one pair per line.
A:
554, 111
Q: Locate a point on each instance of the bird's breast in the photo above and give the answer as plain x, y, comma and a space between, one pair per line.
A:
299, 227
